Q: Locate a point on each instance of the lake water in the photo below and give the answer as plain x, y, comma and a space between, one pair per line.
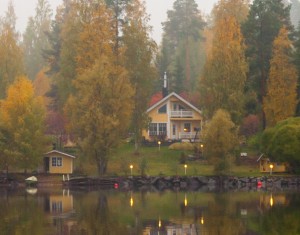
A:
114, 212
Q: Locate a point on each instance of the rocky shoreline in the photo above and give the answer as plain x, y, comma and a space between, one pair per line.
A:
194, 183
207, 183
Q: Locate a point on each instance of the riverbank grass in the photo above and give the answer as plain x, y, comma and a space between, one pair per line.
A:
164, 162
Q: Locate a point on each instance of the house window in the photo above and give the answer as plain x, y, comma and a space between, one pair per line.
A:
177, 107
162, 128
153, 129
56, 161
163, 109
187, 127
157, 129
56, 206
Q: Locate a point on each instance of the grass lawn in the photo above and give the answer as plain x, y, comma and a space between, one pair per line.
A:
162, 161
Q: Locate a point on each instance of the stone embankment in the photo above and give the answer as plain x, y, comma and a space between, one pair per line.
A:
204, 183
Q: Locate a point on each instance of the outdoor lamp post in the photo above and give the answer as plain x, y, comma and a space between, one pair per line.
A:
185, 166
131, 166
159, 143
201, 145
271, 168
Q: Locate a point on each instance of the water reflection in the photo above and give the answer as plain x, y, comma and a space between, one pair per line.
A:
66, 212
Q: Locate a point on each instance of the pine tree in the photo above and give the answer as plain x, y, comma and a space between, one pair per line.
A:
182, 57
265, 19
118, 7
281, 98
35, 40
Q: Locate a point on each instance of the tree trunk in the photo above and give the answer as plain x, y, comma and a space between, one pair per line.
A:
101, 163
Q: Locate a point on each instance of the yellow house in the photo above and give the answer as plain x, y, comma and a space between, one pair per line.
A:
173, 118
58, 162
267, 166
60, 204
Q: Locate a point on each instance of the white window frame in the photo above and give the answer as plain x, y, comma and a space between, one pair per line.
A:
56, 162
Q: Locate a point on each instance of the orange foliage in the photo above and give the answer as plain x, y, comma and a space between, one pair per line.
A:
42, 85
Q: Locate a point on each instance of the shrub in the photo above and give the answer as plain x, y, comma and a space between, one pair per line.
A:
182, 146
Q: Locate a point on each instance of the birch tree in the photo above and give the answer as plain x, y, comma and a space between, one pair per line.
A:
23, 115
100, 108
139, 57
223, 81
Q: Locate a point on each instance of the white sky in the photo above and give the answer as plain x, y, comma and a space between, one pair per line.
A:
157, 9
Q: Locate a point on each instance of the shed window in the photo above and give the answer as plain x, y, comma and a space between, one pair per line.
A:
56, 161
57, 206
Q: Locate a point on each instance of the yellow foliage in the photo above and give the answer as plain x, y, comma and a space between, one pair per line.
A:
23, 115
225, 71
42, 85
281, 99
238, 9
220, 135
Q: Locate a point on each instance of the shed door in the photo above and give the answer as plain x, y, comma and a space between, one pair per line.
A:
46, 164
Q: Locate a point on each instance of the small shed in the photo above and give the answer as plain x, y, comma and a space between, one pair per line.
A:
57, 162
267, 166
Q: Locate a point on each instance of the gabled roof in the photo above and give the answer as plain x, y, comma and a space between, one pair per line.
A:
155, 98
61, 153
168, 97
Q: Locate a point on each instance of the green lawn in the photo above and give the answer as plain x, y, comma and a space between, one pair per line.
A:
162, 161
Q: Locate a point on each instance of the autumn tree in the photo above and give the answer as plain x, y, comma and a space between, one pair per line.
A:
250, 125
23, 115
239, 9
139, 55
181, 55
35, 40
220, 139
281, 99
265, 19
42, 85
100, 109
223, 81
8, 152
11, 64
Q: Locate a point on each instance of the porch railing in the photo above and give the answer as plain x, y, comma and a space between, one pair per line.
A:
181, 114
